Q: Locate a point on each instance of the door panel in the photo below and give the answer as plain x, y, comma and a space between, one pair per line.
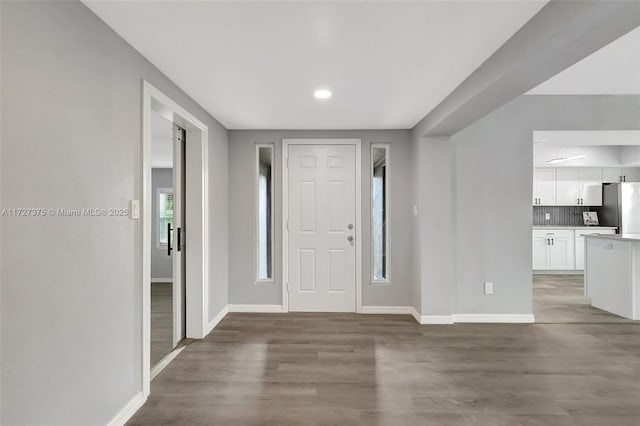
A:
561, 253
631, 174
544, 186
322, 205
579, 253
179, 279
611, 174
567, 186
591, 187
540, 253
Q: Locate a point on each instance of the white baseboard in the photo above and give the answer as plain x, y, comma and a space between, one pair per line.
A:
558, 272
216, 320
494, 318
256, 308
402, 310
431, 319
128, 410
473, 318
157, 369
161, 280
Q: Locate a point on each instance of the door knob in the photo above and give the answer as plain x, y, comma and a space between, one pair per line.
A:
350, 238
350, 226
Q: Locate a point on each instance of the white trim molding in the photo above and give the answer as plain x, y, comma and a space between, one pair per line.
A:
431, 319
494, 318
399, 310
197, 220
162, 280
166, 360
128, 410
216, 320
255, 308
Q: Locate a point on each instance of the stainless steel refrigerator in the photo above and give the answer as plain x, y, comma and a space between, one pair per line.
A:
621, 207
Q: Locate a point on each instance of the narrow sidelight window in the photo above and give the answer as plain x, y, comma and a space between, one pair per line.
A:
264, 161
380, 211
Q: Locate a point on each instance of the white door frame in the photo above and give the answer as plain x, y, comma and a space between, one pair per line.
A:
196, 221
285, 213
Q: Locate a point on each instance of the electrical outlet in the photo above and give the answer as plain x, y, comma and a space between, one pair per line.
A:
488, 288
547, 216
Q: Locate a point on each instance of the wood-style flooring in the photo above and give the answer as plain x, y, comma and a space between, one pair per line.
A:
561, 299
161, 321
348, 369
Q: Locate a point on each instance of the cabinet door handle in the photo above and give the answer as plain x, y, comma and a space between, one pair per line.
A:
552, 241
624, 178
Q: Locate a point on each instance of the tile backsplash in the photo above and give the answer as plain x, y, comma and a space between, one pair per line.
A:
561, 216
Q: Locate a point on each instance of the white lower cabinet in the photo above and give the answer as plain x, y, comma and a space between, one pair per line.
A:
580, 244
561, 249
553, 249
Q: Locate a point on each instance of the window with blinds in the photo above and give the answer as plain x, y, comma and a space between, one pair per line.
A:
165, 214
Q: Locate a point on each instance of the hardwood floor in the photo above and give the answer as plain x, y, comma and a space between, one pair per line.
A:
348, 369
561, 299
161, 321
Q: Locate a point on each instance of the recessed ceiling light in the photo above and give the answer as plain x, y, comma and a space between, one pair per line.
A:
322, 94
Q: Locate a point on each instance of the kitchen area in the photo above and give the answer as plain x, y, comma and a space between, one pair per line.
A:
586, 226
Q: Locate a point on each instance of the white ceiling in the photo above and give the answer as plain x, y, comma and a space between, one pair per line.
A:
587, 137
614, 69
161, 141
256, 64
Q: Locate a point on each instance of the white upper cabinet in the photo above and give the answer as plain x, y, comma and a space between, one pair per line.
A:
620, 174
590, 187
631, 174
611, 174
544, 187
568, 187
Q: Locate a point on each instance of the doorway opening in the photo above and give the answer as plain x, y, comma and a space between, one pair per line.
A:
573, 172
167, 243
175, 217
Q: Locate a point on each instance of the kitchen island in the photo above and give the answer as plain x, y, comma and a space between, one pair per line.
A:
612, 273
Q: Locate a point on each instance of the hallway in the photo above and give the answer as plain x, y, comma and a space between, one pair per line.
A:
351, 369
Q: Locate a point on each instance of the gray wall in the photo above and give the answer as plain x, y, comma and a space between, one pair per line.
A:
493, 175
433, 256
71, 286
242, 286
161, 264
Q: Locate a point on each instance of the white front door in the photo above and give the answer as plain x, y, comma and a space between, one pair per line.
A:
322, 225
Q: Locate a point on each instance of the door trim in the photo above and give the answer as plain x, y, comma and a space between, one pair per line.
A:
196, 220
285, 213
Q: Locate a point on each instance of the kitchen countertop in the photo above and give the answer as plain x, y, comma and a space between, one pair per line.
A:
572, 227
625, 237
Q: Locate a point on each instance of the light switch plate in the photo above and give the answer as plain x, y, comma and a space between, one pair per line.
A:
134, 209
488, 288
547, 216
415, 210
